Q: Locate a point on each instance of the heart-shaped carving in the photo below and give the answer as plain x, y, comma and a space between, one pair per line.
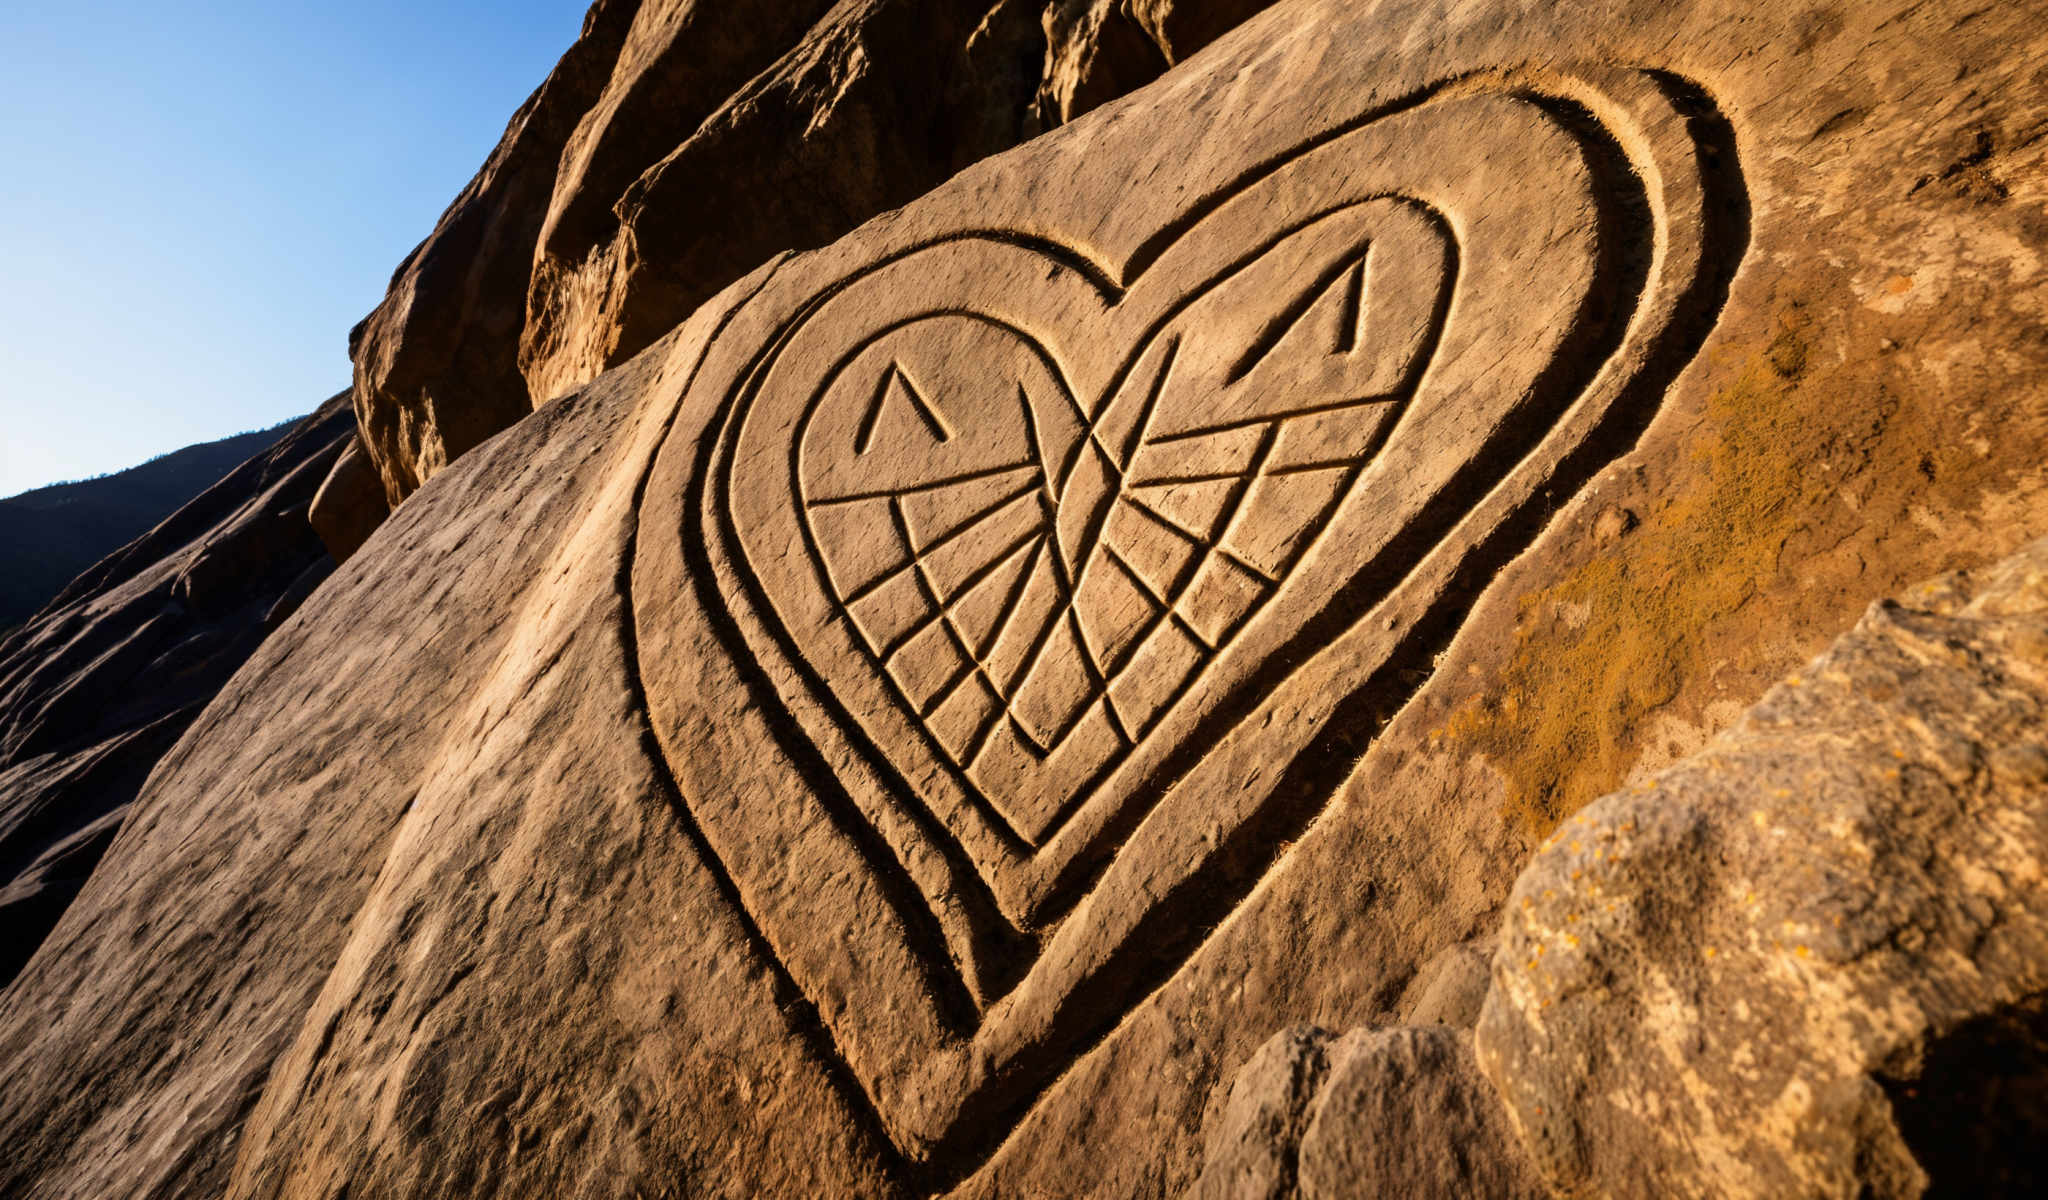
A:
1046, 568
1041, 578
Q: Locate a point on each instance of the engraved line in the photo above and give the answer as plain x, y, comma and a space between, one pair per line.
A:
934, 419
1327, 464
1277, 329
1144, 585
980, 741
961, 530
1176, 480
1214, 547
1099, 690
1137, 435
1307, 410
1354, 305
1186, 575
1005, 555
934, 485
864, 433
925, 584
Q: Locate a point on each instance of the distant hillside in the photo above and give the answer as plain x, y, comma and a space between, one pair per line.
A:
49, 535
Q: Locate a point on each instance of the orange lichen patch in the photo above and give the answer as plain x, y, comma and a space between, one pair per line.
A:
1803, 472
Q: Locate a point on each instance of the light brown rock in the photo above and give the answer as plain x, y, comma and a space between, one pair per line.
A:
590, 831
1791, 965
1376, 1112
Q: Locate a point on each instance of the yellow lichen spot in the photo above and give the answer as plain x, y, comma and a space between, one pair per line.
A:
1572, 940
1802, 952
1710, 952
1793, 681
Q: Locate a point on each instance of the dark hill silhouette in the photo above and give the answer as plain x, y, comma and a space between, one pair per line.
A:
50, 534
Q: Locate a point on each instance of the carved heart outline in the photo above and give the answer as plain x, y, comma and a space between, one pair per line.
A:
1083, 466
937, 1100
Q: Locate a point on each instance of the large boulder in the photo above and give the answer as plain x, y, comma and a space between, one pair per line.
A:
678, 145
1813, 959
736, 778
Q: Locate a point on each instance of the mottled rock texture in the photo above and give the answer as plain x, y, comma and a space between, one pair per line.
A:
1374, 1112
104, 679
681, 143
1528, 385
1812, 959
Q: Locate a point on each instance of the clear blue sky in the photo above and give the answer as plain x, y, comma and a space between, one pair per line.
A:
198, 199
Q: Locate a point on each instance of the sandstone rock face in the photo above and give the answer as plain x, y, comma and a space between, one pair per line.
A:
1386, 1112
924, 723
678, 145
105, 678
1812, 960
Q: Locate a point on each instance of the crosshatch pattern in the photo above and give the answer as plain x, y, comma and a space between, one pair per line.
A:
1042, 615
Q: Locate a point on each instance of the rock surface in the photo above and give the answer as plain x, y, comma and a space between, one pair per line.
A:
596, 830
1811, 960
1375, 1112
678, 145
105, 678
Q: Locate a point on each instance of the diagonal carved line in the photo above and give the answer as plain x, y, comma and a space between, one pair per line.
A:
1181, 623
1144, 585
914, 489
1186, 574
924, 580
1327, 464
1016, 598
1144, 422
1171, 525
1205, 543
1098, 687
1277, 329
945, 612
994, 510
1354, 305
1308, 410
1175, 480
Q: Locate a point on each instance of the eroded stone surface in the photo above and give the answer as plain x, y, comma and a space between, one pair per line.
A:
1400, 1111
1725, 981
579, 835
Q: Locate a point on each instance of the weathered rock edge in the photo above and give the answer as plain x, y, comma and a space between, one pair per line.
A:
1757, 974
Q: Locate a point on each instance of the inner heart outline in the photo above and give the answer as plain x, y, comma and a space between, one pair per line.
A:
1124, 615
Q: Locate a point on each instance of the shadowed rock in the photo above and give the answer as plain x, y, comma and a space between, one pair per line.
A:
109, 674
